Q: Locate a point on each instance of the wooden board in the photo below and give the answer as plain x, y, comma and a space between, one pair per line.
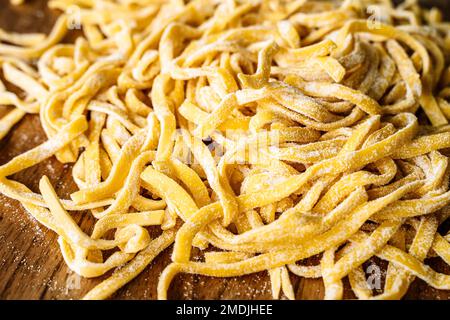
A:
31, 265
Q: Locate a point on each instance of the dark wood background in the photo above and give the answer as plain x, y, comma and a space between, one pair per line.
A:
31, 265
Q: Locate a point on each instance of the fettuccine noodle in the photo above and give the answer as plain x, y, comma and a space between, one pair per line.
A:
269, 131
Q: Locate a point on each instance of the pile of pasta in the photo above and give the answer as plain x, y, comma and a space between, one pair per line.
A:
263, 132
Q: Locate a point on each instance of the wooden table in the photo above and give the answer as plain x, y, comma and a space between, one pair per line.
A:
31, 265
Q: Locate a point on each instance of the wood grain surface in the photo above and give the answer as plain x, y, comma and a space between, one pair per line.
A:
31, 265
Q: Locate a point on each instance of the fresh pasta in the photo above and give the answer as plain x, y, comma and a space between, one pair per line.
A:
266, 131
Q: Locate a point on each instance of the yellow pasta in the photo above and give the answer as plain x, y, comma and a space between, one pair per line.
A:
267, 131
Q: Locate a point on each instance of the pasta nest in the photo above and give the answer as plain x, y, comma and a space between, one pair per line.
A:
269, 132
